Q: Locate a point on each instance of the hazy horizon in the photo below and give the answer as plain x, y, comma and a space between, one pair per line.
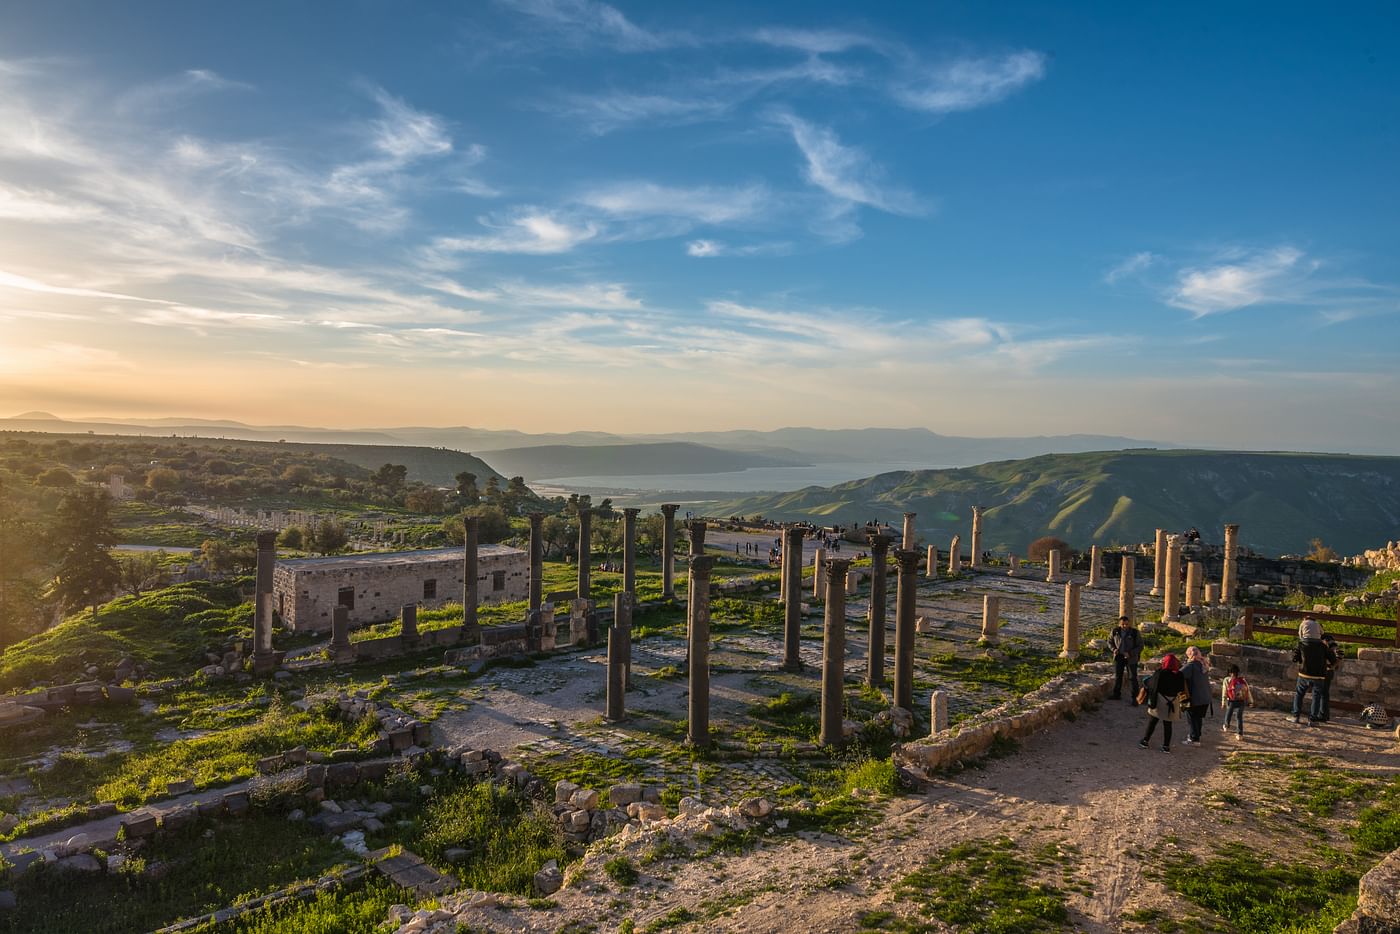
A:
1174, 224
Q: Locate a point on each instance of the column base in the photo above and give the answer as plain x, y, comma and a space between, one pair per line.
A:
266, 663
795, 667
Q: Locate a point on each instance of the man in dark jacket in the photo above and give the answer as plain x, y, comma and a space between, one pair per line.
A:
1126, 646
1315, 660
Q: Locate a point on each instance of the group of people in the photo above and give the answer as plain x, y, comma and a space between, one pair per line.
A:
1175, 689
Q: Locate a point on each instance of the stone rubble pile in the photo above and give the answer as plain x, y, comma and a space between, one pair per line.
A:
1381, 559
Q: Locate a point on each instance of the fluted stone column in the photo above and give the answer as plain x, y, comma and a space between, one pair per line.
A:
668, 551
1053, 575
792, 603
834, 653
909, 536
991, 618
696, 528
629, 550
1071, 645
1195, 574
1171, 580
408, 622
875, 657
471, 587
1229, 581
931, 565
1095, 566
341, 650
536, 560
977, 538
585, 554
262, 598
819, 574
698, 620
905, 606
1127, 587
1159, 554
955, 555
938, 712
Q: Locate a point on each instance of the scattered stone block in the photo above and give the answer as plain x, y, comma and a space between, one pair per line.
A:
549, 879
139, 824
564, 791
183, 787
236, 803
342, 773
585, 799
646, 811
81, 862
179, 817
624, 794
269, 764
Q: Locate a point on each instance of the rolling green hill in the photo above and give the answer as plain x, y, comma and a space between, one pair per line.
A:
1281, 501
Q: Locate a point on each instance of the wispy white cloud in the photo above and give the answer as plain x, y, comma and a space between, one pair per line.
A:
705, 248
1259, 277
580, 21
705, 204
529, 230
969, 83
174, 91
608, 111
845, 172
815, 41
1130, 267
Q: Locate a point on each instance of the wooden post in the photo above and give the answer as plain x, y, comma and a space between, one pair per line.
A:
1249, 622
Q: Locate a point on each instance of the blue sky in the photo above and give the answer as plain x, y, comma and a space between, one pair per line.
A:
1170, 222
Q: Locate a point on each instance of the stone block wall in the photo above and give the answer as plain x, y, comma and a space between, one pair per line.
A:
1372, 677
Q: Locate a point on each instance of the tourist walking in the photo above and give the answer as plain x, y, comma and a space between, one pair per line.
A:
1125, 644
1234, 695
1162, 694
1197, 678
1314, 660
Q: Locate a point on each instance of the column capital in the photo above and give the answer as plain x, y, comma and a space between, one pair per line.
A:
267, 541
880, 543
702, 565
795, 531
534, 517
670, 509
631, 512
838, 566
908, 560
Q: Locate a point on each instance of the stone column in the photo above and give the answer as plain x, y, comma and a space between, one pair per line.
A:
875, 656
668, 551
1159, 553
1071, 646
955, 555
585, 554
696, 527
938, 712
909, 536
341, 650
977, 538
905, 605
698, 620
783, 571
471, 586
991, 617
819, 574
408, 622
1229, 574
1095, 567
792, 601
852, 581
1127, 587
622, 620
262, 599
834, 653
536, 560
1015, 563
1053, 575
1195, 573
629, 550
1212, 595
617, 659
931, 565
1171, 580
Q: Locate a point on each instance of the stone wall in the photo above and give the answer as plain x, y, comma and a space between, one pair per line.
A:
305, 590
1372, 677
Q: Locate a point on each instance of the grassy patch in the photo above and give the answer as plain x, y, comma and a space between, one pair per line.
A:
621, 870
507, 838
1020, 672
1257, 896
984, 887
359, 910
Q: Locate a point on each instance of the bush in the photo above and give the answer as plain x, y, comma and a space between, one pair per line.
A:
1039, 550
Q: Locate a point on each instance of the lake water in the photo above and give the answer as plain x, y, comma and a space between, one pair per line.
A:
753, 480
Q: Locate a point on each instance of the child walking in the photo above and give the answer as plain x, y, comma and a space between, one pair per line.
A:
1234, 695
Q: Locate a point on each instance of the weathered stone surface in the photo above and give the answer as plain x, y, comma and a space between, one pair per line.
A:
236, 803
646, 812
549, 879
585, 799
183, 787
80, 862
139, 824
624, 794
342, 773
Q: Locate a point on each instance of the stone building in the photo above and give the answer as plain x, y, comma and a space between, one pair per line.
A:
374, 587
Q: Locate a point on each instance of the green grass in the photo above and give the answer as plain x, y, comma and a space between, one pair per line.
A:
1257, 896
622, 871
507, 837
984, 887
356, 910
1377, 827
1020, 672
202, 874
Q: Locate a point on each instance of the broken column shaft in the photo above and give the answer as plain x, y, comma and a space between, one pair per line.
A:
792, 599
905, 604
668, 551
879, 553
536, 560
471, 629
698, 625
1127, 589
834, 653
585, 553
629, 550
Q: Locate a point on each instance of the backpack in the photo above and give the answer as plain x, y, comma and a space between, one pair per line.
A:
1236, 689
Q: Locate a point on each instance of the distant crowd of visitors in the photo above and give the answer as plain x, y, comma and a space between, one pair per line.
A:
1174, 689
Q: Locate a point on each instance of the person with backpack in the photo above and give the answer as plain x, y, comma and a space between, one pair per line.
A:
1314, 660
1163, 695
1331, 672
1234, 695
1125, 644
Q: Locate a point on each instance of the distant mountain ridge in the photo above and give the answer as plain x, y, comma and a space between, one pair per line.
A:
1281, 501
663, 457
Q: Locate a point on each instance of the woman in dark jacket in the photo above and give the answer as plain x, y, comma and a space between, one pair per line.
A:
1162, 701
1197, 675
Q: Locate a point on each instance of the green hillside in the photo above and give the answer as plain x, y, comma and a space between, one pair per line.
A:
1281, 501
